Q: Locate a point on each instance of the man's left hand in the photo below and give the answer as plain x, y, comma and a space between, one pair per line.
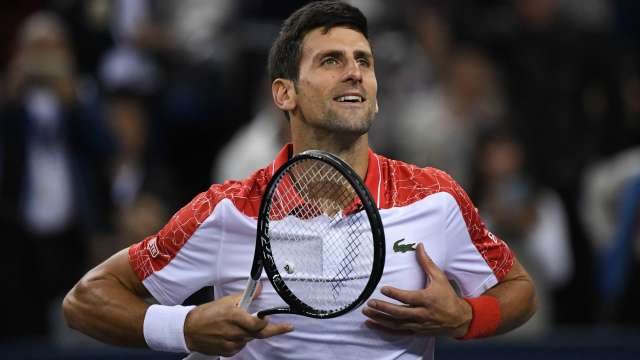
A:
434, 310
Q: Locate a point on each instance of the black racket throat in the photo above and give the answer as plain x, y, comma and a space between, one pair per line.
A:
264, 255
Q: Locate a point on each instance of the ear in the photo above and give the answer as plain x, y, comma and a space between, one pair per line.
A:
377, 107
284, 94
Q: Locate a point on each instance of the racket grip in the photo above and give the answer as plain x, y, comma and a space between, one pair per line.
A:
244, 303
247, 296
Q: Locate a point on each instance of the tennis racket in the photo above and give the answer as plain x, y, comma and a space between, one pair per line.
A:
319, 238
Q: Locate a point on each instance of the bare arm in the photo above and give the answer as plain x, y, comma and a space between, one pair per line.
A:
516, 296
438, 310
107, 303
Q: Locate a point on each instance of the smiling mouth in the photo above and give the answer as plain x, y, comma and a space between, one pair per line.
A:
350, 99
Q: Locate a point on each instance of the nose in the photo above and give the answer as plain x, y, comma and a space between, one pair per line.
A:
353, 72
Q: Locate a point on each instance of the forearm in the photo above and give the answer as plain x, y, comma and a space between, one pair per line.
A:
516, 297
105, 307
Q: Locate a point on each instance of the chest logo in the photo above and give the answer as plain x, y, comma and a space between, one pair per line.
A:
403, 248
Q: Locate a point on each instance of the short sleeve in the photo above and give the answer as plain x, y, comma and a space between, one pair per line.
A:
178, 260
476, 259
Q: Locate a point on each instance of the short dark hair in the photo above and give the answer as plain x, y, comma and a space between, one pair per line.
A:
285, 53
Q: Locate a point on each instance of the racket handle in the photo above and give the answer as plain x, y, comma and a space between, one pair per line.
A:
247, 296
244, 303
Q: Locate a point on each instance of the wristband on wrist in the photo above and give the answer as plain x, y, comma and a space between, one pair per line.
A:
164, 328
485, 317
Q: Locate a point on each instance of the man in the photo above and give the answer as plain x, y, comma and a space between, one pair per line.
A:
322, 71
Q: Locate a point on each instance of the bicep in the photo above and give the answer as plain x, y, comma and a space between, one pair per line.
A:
118, 268
517, 274
516, 296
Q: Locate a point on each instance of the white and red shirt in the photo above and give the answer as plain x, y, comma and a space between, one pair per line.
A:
211, 242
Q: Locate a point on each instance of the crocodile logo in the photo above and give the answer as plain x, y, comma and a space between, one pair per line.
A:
403, 248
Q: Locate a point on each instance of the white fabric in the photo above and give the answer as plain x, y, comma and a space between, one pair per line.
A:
127, 181
549, 241
49, 195
423, 134
221, 251
164, 328
256, 144
603, 184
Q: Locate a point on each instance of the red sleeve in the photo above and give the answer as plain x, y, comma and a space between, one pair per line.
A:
495, 252
156, 251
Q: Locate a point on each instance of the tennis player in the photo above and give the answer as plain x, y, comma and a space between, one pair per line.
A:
445, 273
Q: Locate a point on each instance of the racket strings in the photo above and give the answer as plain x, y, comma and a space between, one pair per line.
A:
324, 255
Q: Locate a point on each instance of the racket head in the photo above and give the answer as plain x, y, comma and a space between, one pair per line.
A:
365, 246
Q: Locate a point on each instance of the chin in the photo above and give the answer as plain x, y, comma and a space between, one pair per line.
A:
352, 127
356, 124
360, 126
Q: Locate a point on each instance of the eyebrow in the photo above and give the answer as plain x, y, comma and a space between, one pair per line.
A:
340, 54
364, 54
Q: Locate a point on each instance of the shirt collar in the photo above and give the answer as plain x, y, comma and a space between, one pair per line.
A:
372, 179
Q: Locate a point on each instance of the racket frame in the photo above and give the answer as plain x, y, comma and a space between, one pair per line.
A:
263, 258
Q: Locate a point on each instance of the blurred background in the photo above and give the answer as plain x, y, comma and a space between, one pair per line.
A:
114, 113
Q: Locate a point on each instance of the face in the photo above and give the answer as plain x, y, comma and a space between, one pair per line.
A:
336, 88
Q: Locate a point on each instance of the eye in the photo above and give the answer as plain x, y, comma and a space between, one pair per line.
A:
364, 62
330, 60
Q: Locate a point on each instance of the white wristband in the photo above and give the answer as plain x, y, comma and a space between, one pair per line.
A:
164, 328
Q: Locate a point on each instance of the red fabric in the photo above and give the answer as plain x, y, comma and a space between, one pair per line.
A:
486, 317
404, 184
155, 252
391, 183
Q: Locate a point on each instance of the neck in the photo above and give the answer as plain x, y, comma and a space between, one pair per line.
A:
353, 149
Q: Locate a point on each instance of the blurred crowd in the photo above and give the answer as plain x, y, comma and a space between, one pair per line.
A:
114, 113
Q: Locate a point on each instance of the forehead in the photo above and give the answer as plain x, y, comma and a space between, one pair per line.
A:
337, 38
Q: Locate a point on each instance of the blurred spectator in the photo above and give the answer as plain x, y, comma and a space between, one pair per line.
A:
560, 86
90, 29
411, 49
564, 100
138, 185
611, 214
438, 128
11, 16
182, 45
256, 143
530, 217
52, 187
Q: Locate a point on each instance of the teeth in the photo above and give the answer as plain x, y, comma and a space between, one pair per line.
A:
350, 98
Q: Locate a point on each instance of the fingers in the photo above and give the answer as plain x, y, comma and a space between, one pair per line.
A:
221, 327
248, 322
417, 297
228, 300
378, 316
274, 329
260, 328
430, 268
410, 297
407, 321
389, 322
401, 312
255, 326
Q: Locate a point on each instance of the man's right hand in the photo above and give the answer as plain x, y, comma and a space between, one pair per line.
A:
222, 328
